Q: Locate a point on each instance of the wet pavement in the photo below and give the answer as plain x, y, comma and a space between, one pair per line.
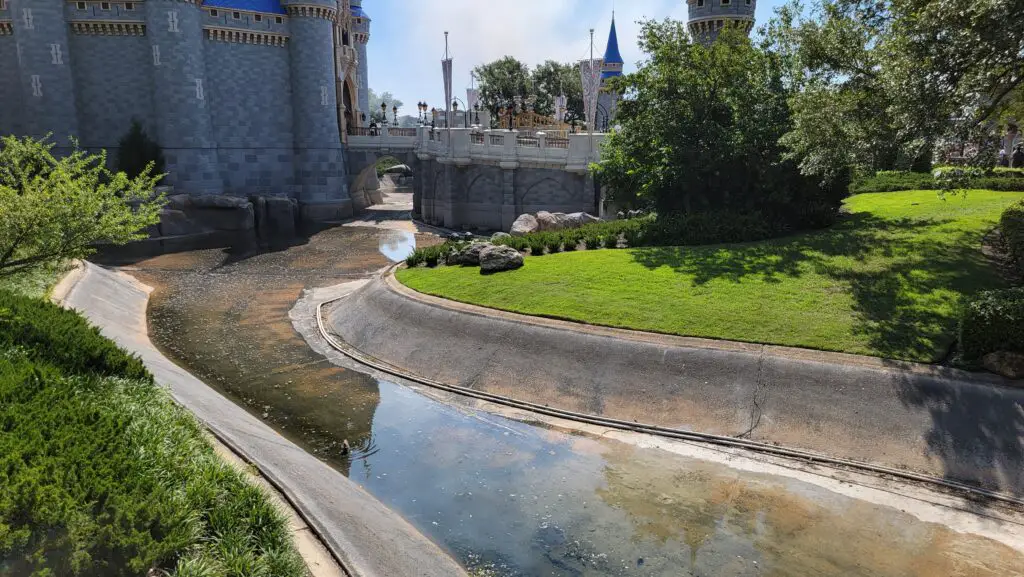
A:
503, 496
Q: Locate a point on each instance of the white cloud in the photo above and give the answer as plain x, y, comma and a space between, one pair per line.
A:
407, 40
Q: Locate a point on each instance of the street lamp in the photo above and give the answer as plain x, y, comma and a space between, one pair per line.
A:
384, 113
455, 107
394, 114
433, 118
476, 113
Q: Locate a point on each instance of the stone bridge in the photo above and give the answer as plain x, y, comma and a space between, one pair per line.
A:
480, 179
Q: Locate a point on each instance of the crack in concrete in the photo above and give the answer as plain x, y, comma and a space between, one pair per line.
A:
762, 388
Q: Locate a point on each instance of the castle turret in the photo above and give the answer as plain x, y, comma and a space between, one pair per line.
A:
708, 17
361, 35
44, 66
181, 105
608, 100
319, 161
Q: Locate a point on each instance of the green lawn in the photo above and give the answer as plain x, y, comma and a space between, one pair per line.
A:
885, 281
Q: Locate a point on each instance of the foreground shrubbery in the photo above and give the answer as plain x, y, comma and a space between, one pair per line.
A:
1012, 225
102, 474
1006, 180
992, 321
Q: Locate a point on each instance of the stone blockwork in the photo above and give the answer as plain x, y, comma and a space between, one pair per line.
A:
489, 197
240, 95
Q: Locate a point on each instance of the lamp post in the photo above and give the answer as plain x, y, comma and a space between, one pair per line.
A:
455, 107
384, 113
433, 118
476, 113
394, 115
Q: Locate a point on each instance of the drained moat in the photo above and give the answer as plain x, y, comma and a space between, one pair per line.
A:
506, 497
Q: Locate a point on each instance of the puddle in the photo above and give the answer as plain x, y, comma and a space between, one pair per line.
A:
396, 245
508, 498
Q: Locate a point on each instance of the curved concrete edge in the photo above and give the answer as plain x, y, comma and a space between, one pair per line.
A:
920, 420
366, 538
662, 339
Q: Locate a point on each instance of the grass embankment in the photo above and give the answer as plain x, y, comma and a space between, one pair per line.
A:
885, 281
101, 474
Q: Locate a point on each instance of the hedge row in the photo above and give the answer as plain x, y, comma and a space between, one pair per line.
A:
55, 336
992, 321
889, 181
102, 475
1012, 225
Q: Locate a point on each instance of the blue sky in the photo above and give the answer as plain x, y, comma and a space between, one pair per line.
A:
407, 37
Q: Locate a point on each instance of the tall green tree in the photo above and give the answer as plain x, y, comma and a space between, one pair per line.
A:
501, 81
905, 74
700, 131
552, 79
53, 209
386, 98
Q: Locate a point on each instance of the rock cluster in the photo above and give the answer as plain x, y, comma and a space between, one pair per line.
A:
489, 257
545, 221
1007, 364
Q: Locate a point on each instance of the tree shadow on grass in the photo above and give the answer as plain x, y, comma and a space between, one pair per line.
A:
903, 280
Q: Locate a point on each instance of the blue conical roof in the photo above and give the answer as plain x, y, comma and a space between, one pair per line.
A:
611, 54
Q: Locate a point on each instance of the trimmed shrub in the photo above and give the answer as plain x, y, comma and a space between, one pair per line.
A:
137, 150
1012, 225
592, 242
894, 180
63, 338
610, 240
992, 321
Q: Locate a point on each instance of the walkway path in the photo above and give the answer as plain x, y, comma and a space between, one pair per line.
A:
957, 425
367, 537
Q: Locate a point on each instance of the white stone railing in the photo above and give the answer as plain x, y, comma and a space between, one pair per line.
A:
463, 147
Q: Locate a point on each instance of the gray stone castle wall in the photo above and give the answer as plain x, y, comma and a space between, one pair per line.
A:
195, 92
489, 197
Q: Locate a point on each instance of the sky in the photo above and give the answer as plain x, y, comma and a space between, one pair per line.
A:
407, 37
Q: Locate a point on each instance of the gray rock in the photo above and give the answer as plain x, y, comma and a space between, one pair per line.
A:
279, 219
620, 215
498, 258
177, 223
578, 219
500, 235
1007, 364
232, 219
470, 256
178, 202
219, 201
525, 224
400, 169
547, 221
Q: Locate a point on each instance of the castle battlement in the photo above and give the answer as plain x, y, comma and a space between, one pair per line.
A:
245, 97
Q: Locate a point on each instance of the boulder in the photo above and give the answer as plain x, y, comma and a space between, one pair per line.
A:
234, 219
578, 219
525, 224
470, 256
496, 258
178, 202
279, 218
218, 201
1007, 364
177, 223
547, 221
500, 235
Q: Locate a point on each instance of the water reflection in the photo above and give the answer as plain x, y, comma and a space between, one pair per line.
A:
505, 497
397, 245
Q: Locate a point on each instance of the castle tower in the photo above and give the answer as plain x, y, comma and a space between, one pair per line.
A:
44, 65
708, 17
361, 35
181, 106
319, 158
607, 100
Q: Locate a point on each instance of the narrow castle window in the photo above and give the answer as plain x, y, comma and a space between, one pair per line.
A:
104, 5
129, 6
258, 17
278, 20
213, 13
81, 6
700, 3
236, 15
726, 2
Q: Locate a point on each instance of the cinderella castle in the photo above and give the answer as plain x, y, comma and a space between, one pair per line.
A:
246, 97
705, 19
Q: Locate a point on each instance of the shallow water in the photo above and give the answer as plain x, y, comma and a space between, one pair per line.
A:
506, 497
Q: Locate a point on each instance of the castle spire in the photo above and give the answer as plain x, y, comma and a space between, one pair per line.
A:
612, 59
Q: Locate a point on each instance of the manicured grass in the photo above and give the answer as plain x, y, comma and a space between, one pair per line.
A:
885, 281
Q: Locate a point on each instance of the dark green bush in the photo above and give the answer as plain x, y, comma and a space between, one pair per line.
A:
992, 321
104, 476
610, 240
63, 338
890, 181
1012, 225
592, 242
536, 246
432, 255
137, 150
